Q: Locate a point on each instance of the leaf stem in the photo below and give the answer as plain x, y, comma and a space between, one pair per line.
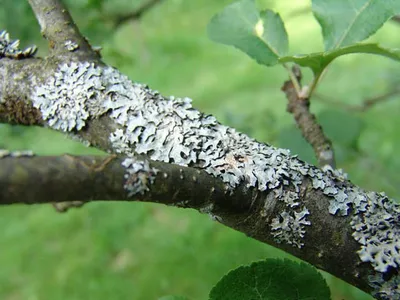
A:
293, 78
314, 84
315, 81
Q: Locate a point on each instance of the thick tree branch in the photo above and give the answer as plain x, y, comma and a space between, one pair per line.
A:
257, 189
260, 191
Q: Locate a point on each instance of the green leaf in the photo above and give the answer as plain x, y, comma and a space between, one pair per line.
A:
261, 35
272, 279
320, 60
345, 22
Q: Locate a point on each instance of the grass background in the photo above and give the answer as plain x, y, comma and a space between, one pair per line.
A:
145, 251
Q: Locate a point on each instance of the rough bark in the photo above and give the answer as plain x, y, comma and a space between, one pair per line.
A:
170, 153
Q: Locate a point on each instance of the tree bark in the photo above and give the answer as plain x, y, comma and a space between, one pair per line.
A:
168, 152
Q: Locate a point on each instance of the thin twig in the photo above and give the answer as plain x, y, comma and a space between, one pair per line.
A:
294, 78
307, 122
60, 30
364, 106
136, 14
396, 19
299, 12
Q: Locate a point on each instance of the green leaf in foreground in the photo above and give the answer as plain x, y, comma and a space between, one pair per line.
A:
261, 35
272, 279
320, 60
345, 22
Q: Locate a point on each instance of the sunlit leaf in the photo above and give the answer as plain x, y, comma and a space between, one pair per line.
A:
261, 35
345, 22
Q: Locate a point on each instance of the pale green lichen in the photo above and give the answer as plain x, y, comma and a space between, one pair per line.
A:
385, 289
170, 130
139, 176
10, 48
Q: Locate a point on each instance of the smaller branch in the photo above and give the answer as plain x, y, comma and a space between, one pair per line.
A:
396, 19
294, 78
60, 30
136, 14
365, 105
62, 207
307, 122
299, 12
66, 181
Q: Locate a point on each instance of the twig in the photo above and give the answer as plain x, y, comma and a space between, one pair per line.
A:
136, 14
365, 105
60, 30
299, 11
294, 79
306, 121
396, 19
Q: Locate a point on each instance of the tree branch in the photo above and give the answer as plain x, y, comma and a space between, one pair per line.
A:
396, 19
60, 30
307, 122
366, 103
262, 191
66, 178
136, 14
267, 194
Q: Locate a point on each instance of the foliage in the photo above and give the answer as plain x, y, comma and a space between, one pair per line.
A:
272, 279
262, 35
346, 22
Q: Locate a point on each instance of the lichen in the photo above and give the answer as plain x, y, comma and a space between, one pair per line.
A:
71, 97
385, 289
21, 153
139, 175
377, 229
10, 48
71, 45
170, 130
289, 227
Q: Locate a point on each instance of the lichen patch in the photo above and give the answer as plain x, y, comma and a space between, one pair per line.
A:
170, 130
289, 227
139, 176
10, 48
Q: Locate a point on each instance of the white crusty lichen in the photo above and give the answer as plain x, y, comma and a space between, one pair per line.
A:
377, 229
170, 130
21, 153
10, 48
385, 289
72, 96
71, 45
289, 227
139, 175
375, 220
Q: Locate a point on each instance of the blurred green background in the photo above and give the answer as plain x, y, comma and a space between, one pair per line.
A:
145, 251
